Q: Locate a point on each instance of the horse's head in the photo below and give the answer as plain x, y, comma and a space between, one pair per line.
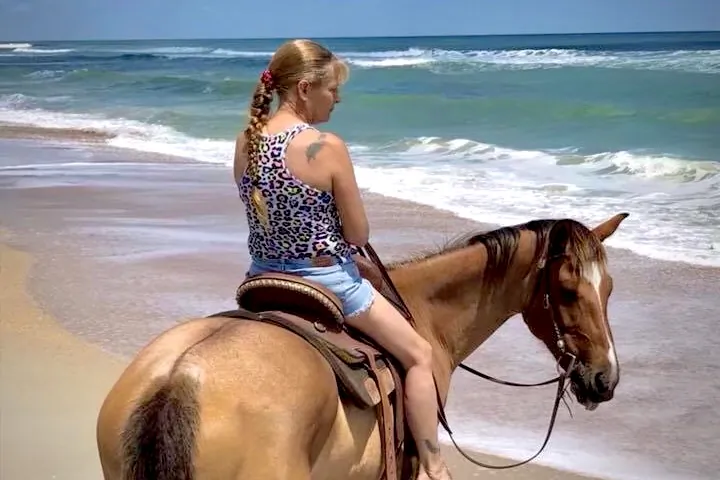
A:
568, 309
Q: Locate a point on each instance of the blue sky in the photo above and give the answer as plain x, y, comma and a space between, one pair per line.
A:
106, 19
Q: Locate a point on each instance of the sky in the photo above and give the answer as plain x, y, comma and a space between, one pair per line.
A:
145, 19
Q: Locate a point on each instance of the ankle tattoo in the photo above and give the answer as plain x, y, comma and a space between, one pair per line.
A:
432, 446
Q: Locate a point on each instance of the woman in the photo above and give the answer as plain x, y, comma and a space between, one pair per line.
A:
304, 210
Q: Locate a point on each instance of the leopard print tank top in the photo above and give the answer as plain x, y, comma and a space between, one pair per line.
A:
302, 221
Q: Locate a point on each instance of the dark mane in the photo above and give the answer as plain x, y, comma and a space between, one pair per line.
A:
567, 235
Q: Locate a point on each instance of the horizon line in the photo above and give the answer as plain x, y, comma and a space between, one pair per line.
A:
637, 32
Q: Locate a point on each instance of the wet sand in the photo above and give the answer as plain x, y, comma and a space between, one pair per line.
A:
124, 248
57, 134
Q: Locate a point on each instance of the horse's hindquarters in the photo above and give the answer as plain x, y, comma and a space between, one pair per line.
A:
148, 370
266, 403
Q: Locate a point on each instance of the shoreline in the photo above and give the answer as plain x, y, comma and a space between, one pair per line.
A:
31, 132
98, 140
81, 228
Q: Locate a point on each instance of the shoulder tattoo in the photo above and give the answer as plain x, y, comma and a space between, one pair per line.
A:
312, 150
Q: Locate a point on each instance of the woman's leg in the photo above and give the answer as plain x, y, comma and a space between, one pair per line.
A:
387, 326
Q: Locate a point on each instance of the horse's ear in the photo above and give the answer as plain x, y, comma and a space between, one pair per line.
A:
608, 227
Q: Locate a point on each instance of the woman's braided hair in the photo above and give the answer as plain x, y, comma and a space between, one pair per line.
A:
294, 61
259, 114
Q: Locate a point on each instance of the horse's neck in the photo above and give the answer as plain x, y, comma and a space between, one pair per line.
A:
455, 307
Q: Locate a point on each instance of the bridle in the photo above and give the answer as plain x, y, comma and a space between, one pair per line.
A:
565, 365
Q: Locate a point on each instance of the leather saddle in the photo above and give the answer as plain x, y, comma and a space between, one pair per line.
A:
365, 373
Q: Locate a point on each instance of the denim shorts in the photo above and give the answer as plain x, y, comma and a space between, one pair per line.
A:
342, 278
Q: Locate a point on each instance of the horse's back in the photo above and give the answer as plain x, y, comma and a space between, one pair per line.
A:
254, 384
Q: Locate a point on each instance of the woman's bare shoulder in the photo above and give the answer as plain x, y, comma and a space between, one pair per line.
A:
320, 145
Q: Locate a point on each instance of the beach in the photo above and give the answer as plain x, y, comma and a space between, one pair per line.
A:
104, 248
63, 348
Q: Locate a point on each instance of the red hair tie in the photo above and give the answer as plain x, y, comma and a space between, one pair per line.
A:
267, 79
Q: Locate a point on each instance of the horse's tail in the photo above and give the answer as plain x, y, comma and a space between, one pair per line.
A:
159, 440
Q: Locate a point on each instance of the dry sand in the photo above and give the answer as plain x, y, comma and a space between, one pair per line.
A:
52, 386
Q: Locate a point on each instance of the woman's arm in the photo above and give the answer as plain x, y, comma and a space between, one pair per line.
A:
240, 161
349, 202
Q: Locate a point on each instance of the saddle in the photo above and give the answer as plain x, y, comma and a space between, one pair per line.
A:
366, 374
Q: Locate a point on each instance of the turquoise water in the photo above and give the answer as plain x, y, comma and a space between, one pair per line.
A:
499, 129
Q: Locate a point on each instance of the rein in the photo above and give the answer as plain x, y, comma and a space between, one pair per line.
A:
369, 252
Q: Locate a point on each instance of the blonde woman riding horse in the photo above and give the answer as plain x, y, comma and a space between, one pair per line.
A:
222, 398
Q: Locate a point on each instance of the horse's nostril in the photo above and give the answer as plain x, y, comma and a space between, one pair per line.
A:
601, 384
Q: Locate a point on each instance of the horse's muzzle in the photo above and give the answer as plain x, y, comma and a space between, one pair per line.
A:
591, 388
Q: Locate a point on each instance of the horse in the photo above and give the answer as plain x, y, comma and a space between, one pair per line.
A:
222, 398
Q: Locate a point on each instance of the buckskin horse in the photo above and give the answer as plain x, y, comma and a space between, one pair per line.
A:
282, 389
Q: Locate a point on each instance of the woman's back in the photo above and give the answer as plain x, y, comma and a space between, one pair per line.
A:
300, 219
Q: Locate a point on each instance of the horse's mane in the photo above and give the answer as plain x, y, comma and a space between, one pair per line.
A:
554, 237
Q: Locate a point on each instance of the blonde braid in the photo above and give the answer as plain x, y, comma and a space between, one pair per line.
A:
259, 115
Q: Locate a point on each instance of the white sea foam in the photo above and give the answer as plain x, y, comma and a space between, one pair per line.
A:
42, 51
699, 61
14, 46
674, 203
703, 61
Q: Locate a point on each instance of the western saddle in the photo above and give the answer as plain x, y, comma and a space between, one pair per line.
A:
365, 373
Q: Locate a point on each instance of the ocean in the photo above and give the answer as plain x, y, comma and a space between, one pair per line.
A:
498, 129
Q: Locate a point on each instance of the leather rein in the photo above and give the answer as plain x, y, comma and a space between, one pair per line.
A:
563, 372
